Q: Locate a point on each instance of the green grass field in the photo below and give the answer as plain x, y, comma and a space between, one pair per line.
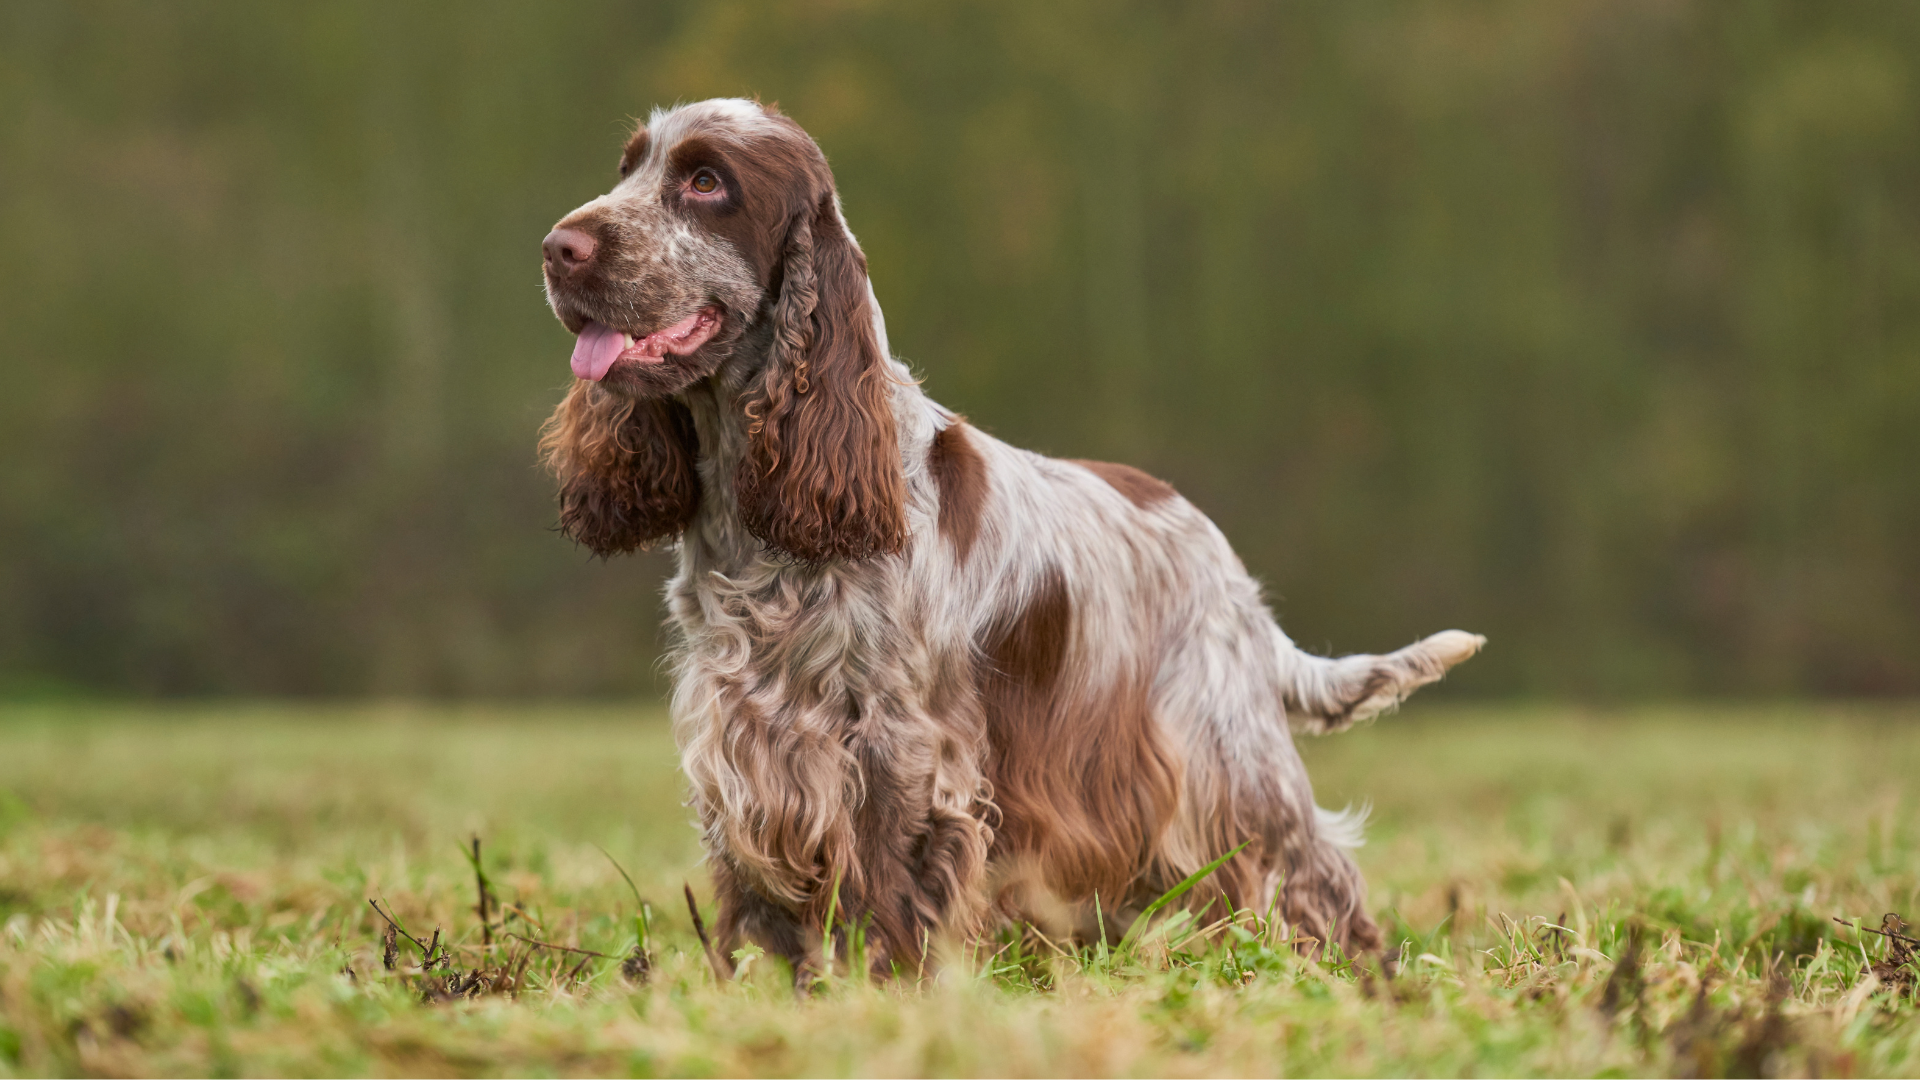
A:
184, 891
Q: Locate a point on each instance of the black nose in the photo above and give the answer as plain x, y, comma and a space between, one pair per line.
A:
567, 251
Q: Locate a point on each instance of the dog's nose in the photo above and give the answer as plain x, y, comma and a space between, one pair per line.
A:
567, 250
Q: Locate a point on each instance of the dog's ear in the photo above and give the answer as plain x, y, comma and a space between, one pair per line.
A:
821, 477
626, 468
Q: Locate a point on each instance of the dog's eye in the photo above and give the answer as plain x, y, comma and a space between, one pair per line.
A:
705, 182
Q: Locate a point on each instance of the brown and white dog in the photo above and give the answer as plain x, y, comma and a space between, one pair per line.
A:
922, 676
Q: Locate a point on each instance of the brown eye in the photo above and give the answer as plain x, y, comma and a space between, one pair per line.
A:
705, 182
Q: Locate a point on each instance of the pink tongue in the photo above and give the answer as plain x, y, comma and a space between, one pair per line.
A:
596, 350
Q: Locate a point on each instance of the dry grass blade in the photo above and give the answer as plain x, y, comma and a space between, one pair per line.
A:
561, 948
722, 969
574, 972
638, 966
393, 924
1896, 971
437, 980
481, 905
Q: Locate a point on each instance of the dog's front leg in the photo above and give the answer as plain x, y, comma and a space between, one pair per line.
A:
746, 916
776, 788
844, 827
920, 834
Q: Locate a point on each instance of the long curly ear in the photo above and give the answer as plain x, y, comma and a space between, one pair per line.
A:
626, 468
821, 476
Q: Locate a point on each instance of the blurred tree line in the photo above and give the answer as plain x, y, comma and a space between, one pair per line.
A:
1590, 325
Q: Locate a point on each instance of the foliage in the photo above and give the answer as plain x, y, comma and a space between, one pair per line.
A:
184, 891
1588, 325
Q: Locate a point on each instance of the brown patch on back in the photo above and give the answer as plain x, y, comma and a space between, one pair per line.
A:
1028, 649
1139, 488
960, 474
1082, 778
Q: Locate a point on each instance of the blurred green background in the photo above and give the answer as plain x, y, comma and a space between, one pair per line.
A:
1590, 326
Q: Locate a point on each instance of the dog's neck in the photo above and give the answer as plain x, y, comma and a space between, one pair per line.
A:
717, 539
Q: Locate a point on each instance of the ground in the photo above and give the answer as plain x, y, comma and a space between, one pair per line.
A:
184, 890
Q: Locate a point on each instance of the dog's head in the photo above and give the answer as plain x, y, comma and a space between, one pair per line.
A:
659, 276
725, 221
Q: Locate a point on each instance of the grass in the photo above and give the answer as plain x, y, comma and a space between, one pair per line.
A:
184, 891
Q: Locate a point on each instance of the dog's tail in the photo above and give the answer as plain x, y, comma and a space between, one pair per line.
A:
1327, 694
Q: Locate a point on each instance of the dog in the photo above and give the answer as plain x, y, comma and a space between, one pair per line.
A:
923, 680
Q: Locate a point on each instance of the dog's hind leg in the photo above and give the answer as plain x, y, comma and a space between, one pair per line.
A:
1327, 694
1323, 896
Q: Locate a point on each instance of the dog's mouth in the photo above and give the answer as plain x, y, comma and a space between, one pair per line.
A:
600, 347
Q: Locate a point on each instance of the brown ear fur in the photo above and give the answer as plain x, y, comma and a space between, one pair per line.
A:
821, 477
626, 468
